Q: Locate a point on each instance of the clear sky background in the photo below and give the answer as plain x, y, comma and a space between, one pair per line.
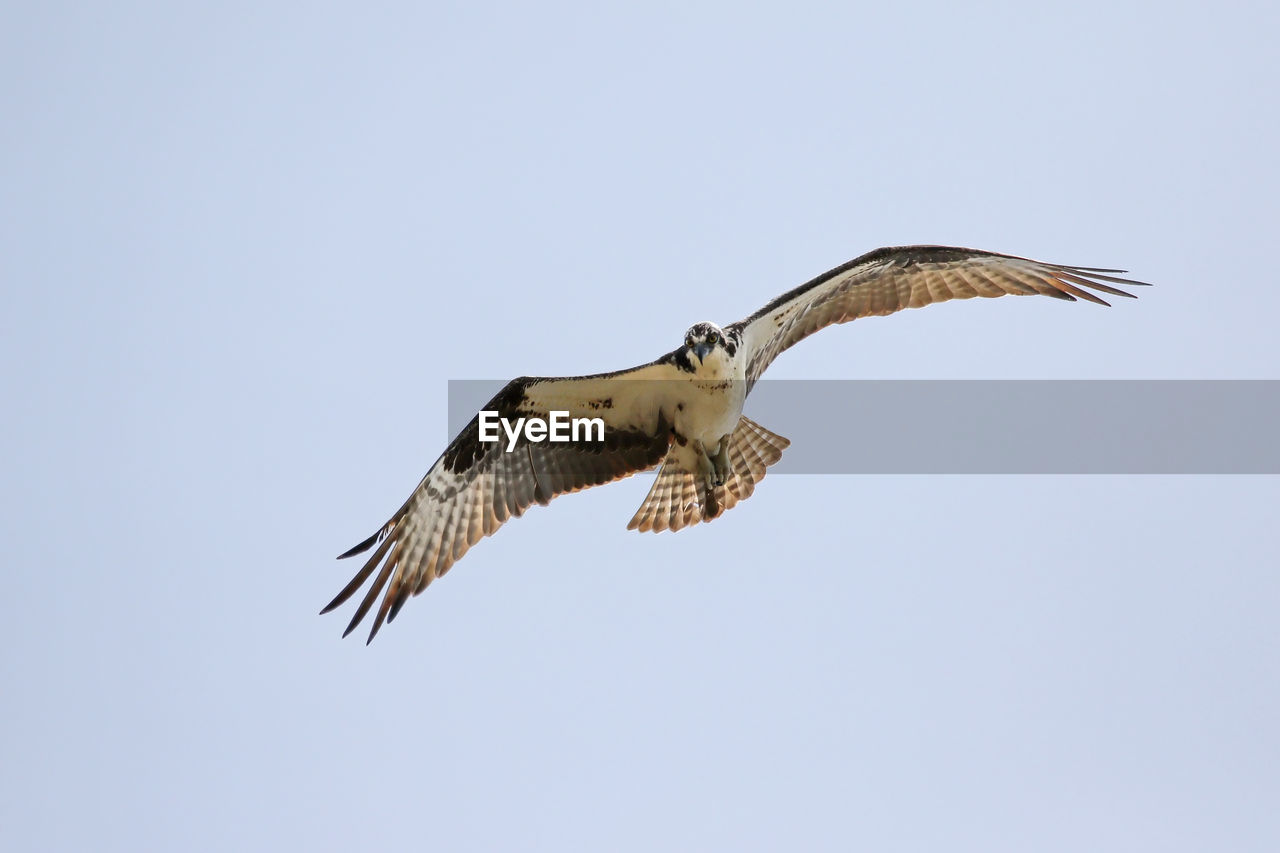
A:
244, 247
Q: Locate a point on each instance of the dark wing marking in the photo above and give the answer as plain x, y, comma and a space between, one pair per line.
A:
474, 487
891, 279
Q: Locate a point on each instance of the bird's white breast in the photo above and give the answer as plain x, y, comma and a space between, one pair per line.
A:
713, 401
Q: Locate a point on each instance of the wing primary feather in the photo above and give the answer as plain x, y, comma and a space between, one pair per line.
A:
1132, 281
1058, 294
1094, 278
378, 583
365, 545
401, 597
368, 602
1096, 285
1067, 287
359, 579
1092, 269
393, 592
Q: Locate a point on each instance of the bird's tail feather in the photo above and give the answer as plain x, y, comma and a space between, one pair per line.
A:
678, 499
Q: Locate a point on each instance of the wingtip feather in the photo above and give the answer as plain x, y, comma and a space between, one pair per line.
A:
363, 546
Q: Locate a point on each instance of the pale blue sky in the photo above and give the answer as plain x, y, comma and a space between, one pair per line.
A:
244, 248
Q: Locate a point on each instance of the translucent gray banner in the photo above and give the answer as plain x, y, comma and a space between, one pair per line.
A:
1002, 427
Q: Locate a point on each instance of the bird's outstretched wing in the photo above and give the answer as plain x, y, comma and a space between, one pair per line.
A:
891, 279
474, 487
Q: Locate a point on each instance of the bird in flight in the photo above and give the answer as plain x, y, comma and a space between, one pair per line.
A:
682, 411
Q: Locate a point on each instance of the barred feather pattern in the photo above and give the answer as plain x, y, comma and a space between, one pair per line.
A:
450, 511
893, 279
678, 499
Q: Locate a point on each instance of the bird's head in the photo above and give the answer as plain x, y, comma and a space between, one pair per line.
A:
706, 342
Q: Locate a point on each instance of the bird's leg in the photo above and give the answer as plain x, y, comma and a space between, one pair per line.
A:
721, 464
706, 468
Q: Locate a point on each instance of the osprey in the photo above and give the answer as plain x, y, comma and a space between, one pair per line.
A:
683, 411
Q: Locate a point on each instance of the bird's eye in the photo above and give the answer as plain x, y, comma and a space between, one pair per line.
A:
713, 338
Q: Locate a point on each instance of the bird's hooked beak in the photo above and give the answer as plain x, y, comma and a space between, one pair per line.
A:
702, 350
